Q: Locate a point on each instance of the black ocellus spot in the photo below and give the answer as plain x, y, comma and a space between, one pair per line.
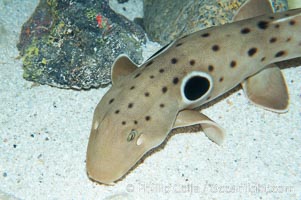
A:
196, 87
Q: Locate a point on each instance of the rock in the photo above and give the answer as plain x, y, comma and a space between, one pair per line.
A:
165, 21
122, 1
72, 44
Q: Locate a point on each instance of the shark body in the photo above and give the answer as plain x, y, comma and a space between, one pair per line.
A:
145, 103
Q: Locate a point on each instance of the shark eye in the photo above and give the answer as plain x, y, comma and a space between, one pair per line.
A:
132, 135
195, 87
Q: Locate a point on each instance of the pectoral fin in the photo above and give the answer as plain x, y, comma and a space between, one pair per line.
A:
122, 66
268, 89
192, 117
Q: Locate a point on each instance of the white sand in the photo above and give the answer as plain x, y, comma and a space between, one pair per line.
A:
44, 133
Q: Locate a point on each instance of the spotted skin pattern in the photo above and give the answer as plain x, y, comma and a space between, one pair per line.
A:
145, 103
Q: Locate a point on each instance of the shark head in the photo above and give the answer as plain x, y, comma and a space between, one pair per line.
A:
113, 149
119, 135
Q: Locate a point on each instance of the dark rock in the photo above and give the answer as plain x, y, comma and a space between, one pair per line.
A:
72, 44
140, 22
165, 21
122, 1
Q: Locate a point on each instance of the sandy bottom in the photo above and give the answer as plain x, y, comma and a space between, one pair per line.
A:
44, 133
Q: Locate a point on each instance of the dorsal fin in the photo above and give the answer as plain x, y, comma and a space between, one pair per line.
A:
253, 8
121, 67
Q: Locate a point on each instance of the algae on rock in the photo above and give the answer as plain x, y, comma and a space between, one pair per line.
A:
72, 44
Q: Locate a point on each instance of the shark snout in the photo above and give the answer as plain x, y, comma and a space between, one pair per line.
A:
105, 173
110, 155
